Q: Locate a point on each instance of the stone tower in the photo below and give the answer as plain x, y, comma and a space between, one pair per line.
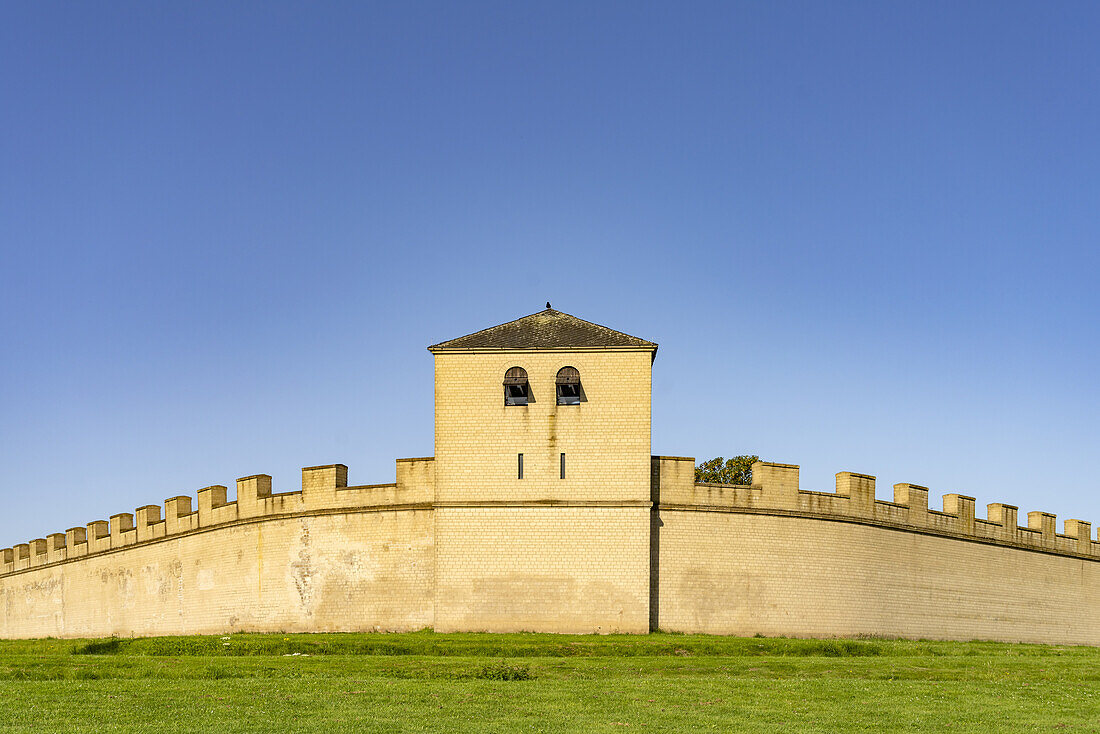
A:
543, 423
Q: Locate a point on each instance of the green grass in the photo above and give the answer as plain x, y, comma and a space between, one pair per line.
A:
543, 683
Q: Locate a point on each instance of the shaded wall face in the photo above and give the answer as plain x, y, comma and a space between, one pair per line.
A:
606, 438
743, 574
340, 572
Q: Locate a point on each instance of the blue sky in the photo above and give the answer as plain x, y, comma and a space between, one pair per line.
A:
864, 235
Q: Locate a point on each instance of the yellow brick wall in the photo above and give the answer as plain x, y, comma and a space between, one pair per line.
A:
743, 574
606, 439
505, 565
336, 572
546, 569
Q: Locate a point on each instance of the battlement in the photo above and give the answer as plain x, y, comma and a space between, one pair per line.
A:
775, 490
324, 488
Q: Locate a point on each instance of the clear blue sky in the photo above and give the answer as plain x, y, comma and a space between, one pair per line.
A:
864, 235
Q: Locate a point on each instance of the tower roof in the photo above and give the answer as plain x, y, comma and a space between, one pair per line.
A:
548, 329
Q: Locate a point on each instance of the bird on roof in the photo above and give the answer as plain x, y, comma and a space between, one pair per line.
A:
548, 305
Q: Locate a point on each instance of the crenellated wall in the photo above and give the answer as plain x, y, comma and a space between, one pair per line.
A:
775, 489
550, 514
775, 559
328, 557
324, 488
770, 558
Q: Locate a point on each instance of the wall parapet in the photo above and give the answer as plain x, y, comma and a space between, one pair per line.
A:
775, 490
324, 488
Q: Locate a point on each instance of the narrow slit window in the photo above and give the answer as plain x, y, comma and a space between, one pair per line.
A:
569, 386
519, 466
517, 391
563, 466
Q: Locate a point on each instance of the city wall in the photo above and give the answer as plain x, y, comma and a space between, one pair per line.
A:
329, 557
769, 558
774, 559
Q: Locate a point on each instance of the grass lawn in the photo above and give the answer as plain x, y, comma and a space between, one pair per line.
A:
543, 683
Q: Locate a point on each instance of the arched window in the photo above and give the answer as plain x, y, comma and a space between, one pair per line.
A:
569, 386
516, 389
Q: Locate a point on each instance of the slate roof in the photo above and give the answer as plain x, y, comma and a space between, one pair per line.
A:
547, 329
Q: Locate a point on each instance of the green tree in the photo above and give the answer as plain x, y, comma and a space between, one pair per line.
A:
737, 470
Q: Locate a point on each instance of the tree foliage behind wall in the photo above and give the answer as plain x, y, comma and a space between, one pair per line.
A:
718, 470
